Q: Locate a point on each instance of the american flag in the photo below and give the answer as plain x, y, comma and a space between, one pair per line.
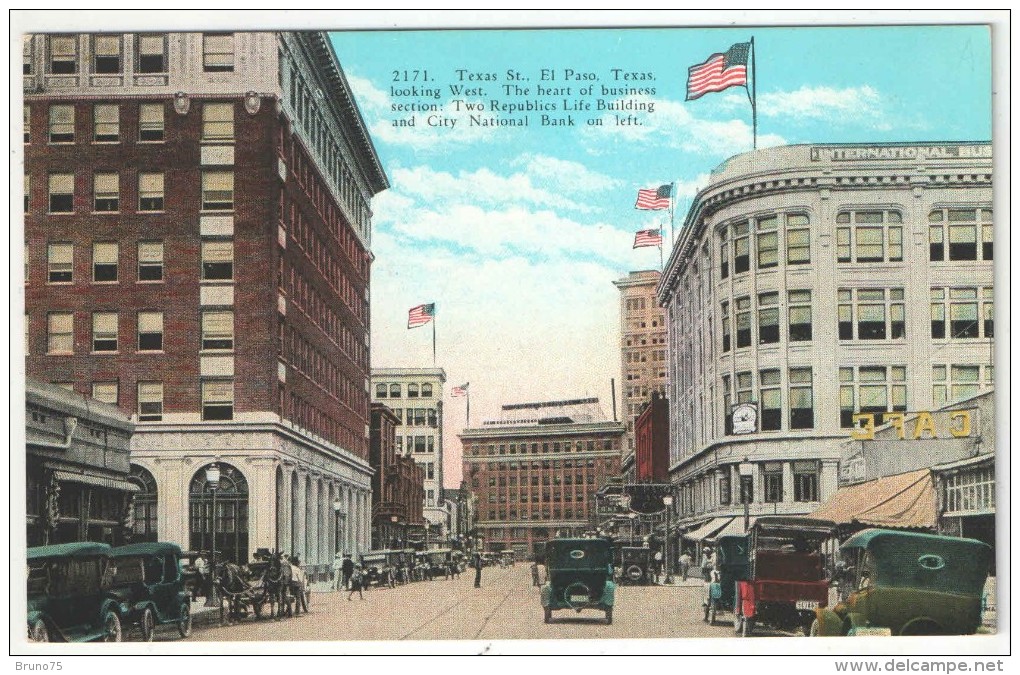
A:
421, 315
654, 200
719, 72
462, 390
647, 238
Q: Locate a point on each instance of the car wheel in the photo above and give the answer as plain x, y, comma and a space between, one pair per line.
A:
148, 625
38, 632
184, 625
111, 625
746, 627
548, 614
814, 629
609, 616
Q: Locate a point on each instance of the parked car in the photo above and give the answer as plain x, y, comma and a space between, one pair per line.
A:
732, 566
908, 583
580, 576
378, 569
150, 585
636, 564
787, 580
439, 562
69, 596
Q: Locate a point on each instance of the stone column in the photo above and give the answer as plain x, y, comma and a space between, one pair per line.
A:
788, 483
298, 547
261, 503
173, 476
283, 498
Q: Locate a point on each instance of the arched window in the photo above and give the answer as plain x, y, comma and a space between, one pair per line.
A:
231, 514
394, 391
146, 521
412, 391
426, 390
380, 390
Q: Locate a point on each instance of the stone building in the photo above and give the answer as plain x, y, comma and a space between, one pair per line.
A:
398, 484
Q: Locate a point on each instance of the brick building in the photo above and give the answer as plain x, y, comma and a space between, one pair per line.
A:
533, 472
197, 245
651, 441
398, 484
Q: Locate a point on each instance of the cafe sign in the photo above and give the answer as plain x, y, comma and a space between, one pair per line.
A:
921, 425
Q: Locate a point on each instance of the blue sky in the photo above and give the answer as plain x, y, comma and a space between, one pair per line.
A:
517, 234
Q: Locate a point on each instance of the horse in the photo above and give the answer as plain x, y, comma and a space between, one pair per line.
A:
234, 590
276, 582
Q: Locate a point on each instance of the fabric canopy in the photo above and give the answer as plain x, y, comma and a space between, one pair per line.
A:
99, 481
708, 529
735, 526
906, 500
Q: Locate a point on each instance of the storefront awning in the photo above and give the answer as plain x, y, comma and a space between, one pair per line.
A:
736, 526
708, 529
906, 500
99, 481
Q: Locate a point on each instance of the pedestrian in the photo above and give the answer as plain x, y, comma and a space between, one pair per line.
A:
338, 571
658, 565
357, 582
478, 569
685, 563
347, 569
299, 585
706, 563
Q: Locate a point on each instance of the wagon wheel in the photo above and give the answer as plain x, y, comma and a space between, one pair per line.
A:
548, 614
38, 632
148, 625
111, 626
184, 625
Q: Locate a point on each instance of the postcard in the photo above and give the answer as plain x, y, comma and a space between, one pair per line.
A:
511, 334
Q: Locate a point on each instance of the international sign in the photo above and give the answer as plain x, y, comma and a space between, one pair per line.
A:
899, 152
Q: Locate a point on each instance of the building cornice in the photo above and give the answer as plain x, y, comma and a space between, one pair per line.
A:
540, 430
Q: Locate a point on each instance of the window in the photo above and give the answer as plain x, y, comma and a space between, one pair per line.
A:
726, 326
741, 248
60, 263
805, 481
768, 318
61, 123
412, 391
150, 122
880, 313
869, 236
151, 54
426, 390
60, 333
106, 122
218, 52
104, 331
773, 482
799, 309
871, 389
106, 187
745, 383
150, 331
963, 381
771, 400
217, 260
802, 413
724, 490
380, 390
724, 254
218, 122
969, 316
150, 261
217, 190
26, 123
104, 261
63, 54
727, 405
217, 400
970, 491
26, 54
964, 228
106, 58
768, 242
150, 192
150, 401
105, 392
798, 239
743, 322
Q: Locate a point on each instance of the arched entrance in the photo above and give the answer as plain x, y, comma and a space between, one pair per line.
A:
145, 517
231, 514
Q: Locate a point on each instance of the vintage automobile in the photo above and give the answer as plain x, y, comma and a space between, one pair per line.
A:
787, 580
69, 596
579, 576
731, 566
908, 583
507, 558
378, 568
421, 570
150, 586
635, 564
439, 562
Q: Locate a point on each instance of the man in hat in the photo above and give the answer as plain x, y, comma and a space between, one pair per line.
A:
347, 568
338, 563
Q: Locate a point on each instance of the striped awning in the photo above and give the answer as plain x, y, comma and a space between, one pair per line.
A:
735, 526
708, 529
98, 481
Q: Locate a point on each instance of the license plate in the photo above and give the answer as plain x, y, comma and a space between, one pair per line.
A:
578, 598
807, 604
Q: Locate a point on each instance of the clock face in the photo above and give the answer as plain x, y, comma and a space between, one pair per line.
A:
745, 417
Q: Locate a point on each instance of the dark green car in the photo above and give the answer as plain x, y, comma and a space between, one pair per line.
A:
150, 586
733, 566
69, 596
907, 583
580, 576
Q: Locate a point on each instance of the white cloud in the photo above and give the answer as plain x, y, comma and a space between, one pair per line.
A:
861, 105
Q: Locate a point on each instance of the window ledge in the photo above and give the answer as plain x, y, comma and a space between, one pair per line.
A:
106, 213
149, 351
105, 283
59, 353
141, 142
110, 353
149, 281
60, 213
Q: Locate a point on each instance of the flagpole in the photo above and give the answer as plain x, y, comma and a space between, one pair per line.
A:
672, 212
754, 98
468, 396
433, 339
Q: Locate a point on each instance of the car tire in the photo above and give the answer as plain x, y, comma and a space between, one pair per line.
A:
548, 614
184, 625
147, 625
39, 632
112, 628
746, 627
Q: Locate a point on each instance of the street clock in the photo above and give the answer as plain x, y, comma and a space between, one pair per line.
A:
745, 418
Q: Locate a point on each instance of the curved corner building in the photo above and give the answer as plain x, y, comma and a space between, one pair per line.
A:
811, 283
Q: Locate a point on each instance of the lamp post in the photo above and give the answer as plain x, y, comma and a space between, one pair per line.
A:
746, 473
668, 502
212, 478
633, 519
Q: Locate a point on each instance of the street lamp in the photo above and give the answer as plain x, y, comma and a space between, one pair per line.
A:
212, 479
746, 472
337, 506
668, 503
633, 519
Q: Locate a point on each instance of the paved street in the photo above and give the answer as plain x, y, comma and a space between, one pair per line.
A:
506, 607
